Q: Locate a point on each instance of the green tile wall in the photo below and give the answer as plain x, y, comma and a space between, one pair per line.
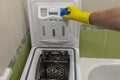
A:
21, 58
112, 47
100, 44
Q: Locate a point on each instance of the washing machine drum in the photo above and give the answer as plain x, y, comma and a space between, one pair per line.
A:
53, 65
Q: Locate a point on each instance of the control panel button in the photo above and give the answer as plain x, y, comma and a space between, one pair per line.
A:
53, 23
43, 12
53, 10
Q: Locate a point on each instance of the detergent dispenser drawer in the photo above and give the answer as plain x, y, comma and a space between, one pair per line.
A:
53, 65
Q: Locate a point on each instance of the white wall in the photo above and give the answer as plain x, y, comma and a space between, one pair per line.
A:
97, 5
13, 22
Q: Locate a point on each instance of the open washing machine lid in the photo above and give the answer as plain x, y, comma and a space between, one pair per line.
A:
48, 27
61, 37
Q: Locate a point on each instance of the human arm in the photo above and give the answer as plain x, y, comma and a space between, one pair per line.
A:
109, 19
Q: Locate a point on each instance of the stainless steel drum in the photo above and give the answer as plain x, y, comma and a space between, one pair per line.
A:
53, 65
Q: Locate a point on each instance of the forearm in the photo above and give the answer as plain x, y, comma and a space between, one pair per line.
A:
108, 19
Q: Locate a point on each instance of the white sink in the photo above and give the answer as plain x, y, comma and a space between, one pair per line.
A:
100, 69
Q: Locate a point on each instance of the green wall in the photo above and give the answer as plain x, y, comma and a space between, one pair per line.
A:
100, 44
18, 62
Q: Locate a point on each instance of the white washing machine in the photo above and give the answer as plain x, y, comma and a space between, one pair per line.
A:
55, 42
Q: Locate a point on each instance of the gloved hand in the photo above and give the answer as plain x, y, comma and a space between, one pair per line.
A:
77, 15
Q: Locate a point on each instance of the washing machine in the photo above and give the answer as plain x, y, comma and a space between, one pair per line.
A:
55, 42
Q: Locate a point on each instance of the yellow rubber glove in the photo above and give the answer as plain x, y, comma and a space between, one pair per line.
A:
77, 15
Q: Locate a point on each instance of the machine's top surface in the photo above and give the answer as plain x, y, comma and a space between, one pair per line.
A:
48, 27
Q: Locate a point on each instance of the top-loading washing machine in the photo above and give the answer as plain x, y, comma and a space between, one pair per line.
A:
55, 42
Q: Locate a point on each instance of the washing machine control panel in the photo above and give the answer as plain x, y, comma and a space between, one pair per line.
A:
48, 26
44, 12
52, 27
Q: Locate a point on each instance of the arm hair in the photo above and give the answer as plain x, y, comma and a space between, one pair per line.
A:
109, 19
